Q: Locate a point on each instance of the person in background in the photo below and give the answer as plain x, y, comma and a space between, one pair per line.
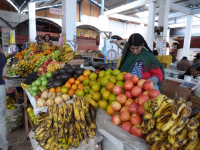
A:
47, 39
173, 57
3, 126
138, 59
183, 64
194, 70
155, 52
197, 58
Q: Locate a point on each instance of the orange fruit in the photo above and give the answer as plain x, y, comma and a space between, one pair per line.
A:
109, 110
68, 85
58, 89
80, 93
81, 78
86, 77
81, 86
74, 87
71, 80
52, 90
86, 72
71, 92
77, 82
64, 90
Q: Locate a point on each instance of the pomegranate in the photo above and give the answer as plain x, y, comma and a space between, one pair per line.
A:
40, 69
136, 100
128, 85
125, 116
116, 106
134, 79
133, 108
136, 91
136, 119
121, 98
126, 126
153, 93
127, 76
129, 102
142, 99
117, 90
146, 93
124, 108
128, 94
147, 85
140, 82
136, 131
116, 119
141, 110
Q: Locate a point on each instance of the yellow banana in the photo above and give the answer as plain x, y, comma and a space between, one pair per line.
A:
177, 110
192, 135
191, 145
193, 124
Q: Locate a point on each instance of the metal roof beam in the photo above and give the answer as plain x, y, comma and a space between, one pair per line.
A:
128, 6
128, 18
180, 8
195, 11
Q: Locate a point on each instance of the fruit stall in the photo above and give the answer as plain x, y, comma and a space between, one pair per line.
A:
70, 107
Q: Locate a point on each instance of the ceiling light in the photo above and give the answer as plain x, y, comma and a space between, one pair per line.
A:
146, 5
191, 6
13, 5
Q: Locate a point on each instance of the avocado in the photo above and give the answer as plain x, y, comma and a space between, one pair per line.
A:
58, 83
58, 77
70, 70
56, 72
62, 71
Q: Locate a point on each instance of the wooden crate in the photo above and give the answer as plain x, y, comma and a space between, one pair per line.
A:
76, 62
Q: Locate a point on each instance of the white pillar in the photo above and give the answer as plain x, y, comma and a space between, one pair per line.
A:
32, 21
150, 27
164, 8
69, 19
187, 37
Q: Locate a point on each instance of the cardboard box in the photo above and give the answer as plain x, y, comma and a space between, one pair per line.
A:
172, 89
195, 101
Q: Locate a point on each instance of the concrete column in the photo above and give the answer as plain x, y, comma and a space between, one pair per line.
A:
102, 7
150, 27
164, 8
32, 21
69, 19
187, 38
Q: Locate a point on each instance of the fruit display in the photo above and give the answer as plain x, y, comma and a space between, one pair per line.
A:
66, 125
54, 65
10, 103
41, 61
33, 118
39, 85
171, 124
56, 55
66, 53
10, 71
24, 68
30, 78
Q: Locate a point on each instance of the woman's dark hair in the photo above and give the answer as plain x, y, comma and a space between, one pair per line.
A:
196, 66
47, 35
137, 39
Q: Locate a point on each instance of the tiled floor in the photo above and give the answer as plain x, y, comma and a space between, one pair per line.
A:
17, 140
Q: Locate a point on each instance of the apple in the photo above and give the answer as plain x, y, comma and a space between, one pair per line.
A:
141, 110
127, 76
147, 85
116, 106
128, 94
125, 116
153, 93
129, 102
128, 85
126, 126
135, 79
136, 131
146, 93
136, 91
133, 108
117, 90
124, 108
140, 82
142, 99
136, 119
116, 119
121, 98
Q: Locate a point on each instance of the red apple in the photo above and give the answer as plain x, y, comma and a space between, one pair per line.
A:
128, 85
133, 108
136, 119
140, 82
136, 131
142, 99
134, 79
117, 90
136, 91
116, 106
141, 110
147, 85
125, 116
146, 93
121, 98
128, 94
40, 69
127, 76
126, 126
129, 102
97, 71
116, 119
124, 108
153, 93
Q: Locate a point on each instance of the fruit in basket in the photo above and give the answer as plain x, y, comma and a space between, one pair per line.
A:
93, 76
127, 76
136, 91
121, 98
116, 119
101, 74
24, 68
125, 116
140, 82
128, 85
103, 104
136, 131
120, 77
108, 72
110, 86
106, 95
134, 79
126, 126
116, 106
153, 93
147, 85
115, 72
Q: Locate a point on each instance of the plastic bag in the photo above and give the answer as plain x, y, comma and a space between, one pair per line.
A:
117, 137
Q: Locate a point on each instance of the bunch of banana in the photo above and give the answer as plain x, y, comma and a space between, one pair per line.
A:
24, 68
53, 67
66, 125
66, 53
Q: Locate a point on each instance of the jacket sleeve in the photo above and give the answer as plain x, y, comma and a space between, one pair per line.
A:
157, 72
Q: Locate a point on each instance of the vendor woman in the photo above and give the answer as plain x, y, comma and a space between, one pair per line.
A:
138, 59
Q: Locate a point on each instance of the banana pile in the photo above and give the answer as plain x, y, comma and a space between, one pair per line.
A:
66, 53
66, 125
24, 68
171, 125
53, 67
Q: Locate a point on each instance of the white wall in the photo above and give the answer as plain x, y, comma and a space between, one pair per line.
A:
192, 52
